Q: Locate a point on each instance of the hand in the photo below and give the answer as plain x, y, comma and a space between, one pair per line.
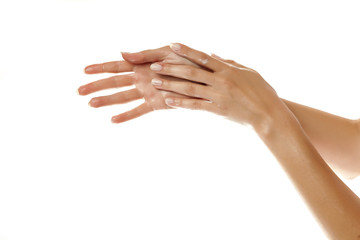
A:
140, 77
235, 92
163, 54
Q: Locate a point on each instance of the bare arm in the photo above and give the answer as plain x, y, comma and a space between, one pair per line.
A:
337, 139
242, 95
334, 205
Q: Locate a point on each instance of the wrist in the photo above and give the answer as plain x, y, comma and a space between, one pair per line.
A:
275, 119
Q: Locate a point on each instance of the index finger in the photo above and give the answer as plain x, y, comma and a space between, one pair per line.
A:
200, 58
152, 55
109, 67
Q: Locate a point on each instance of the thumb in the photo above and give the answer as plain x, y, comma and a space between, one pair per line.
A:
153, 55
231, 62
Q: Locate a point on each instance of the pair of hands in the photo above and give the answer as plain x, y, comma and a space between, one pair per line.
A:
178, 76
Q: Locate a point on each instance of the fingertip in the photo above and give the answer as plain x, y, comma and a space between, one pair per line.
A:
116, 119
113, 120
216, 56
125, 55
95, 103
90, 69
130, 57
175, 46
81, 90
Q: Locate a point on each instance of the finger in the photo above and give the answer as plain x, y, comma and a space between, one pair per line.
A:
184, 87
133, 113
184, 71
111, 82
117, 98
197, 57
191, 103
152, 55
109, 67
231, 62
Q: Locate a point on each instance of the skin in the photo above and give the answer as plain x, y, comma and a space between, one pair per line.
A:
295, 134
336, 138
140, 76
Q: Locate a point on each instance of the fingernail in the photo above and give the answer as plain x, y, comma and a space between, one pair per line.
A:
169, 101
216, 56
131, 57
155, 67
81, 90
94, 102
204, 61
175, 46
156, 82
114, 119
89, 69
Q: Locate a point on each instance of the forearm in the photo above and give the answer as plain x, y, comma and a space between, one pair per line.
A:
336, 138
335, 206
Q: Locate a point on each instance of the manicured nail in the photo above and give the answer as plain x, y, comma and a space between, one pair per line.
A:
81, 90
156, 82
89, 69
114, 120
128, 56
155, 67
216, 56
169, 101
94, 102
175, 46
204, 61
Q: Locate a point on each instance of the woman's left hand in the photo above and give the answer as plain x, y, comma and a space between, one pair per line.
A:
239, 94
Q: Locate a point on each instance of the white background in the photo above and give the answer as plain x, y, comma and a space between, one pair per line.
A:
67, 172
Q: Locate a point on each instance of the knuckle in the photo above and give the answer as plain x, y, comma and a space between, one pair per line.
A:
98, 84
113, 98
189, 71
190, 89
124, 97
196, 105
114, 81
179, 102
92, 86
166, 68
117, 67
166, 84
204, 58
